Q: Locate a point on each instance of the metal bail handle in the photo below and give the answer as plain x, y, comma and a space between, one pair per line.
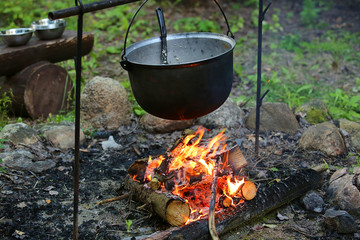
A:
124, 61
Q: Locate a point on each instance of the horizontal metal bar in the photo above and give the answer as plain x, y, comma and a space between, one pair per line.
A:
90, 7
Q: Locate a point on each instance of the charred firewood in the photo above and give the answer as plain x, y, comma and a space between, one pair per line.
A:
169, 207
138, 169
267, 199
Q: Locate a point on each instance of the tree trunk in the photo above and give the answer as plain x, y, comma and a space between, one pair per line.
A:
39, 89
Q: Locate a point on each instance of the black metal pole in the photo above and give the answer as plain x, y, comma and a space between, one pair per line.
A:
90, 7
259, 98
79, 10
258, 90
78, 66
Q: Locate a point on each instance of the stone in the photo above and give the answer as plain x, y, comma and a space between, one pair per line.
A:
314, 112
105, 104
154, 124
349, 126
324, 137
274, 117
312, 201
353, 128
229, 115
19, 133
61, 135
340, 221
338, 174
110, 144
344, 193
22, 159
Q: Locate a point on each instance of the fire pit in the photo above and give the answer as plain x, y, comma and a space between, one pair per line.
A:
178, 187
183, 178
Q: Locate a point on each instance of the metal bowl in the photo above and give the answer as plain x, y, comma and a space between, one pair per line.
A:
46, 29
16, 36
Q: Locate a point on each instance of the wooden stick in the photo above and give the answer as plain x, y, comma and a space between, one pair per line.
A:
212, 227
118, 198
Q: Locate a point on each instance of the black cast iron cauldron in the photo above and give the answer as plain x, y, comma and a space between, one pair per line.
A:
194, 80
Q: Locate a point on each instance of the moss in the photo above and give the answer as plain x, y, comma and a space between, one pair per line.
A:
315, 112
315, 115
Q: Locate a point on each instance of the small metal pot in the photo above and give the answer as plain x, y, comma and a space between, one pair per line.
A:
195, 79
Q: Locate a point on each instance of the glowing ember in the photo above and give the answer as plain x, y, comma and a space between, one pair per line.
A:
188, 173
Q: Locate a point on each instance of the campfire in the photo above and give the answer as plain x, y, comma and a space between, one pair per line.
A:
179, 183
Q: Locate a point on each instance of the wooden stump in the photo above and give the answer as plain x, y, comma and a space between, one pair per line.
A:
39, 89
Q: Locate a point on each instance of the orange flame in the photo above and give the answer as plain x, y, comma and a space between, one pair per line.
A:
233, 186
192, 163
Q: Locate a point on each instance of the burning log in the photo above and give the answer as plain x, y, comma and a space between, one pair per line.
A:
169, 207
268, 198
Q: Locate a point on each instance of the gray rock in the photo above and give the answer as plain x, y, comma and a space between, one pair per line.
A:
353, 128
19, 133
229, 115
154, 124
349, 126
61, 135
22, 159
344, 193
340, 221
338, 174
105, 104
274, 117
324, 137
314, 112
313, 202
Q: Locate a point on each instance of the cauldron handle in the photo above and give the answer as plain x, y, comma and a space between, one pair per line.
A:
226, 21
124, 60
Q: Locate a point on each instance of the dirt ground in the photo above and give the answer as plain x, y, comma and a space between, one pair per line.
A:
39, 205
